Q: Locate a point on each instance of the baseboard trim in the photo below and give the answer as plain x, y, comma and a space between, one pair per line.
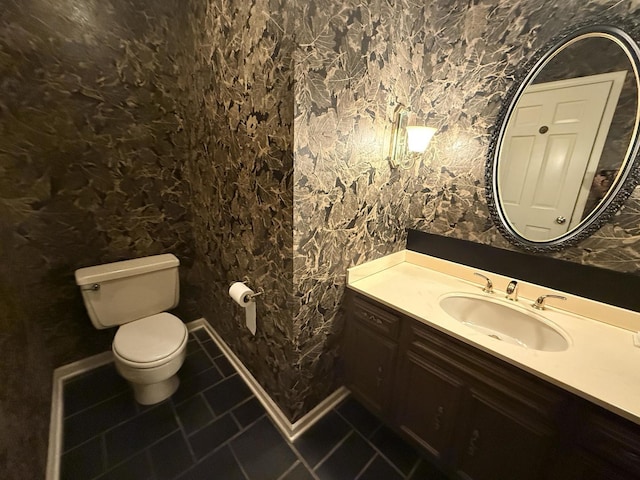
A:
288, 429
60, 376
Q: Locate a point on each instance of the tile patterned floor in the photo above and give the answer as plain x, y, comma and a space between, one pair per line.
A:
214, 428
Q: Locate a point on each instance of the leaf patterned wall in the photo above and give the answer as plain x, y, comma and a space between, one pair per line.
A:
451, 62
240, 171
92, 144
247, 137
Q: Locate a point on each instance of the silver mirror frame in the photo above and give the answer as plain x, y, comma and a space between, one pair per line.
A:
628, 179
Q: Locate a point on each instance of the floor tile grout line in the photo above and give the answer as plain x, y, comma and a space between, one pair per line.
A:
235, 457
84, 442
185, 437
228, 440
209, 339
146, 451
352, 425
299, 458
149, 458
297, 453
109, 429
211, 366
289, 470
103, 454
414, 469
235, 419
375, 430
137, 452
218, 383
117, 394
213, 452
216, 417
388, 460
209, 408
332, 451
209, 387
364, 469
211, 357
103, 457
375, 447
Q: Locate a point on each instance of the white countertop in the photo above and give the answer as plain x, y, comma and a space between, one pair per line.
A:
601, 364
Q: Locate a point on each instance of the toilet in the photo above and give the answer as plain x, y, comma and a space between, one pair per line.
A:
150, 345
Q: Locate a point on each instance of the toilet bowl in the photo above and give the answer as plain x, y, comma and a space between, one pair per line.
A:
148, 353
149, 346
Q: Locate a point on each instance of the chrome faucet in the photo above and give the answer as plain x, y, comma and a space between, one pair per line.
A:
488, 288
539, 303
512, 291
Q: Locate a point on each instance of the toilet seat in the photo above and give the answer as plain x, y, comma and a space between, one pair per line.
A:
150, 341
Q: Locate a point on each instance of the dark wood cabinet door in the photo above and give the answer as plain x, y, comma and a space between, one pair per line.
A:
370, 363
610, 443
428, 401
583, 465
500, 442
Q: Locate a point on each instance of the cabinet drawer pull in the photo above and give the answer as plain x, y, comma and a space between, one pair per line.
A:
475, 436
374, 319
438, 419
379, 378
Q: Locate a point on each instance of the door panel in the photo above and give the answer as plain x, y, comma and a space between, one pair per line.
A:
549, 149
428, 403
501, 443
371, 361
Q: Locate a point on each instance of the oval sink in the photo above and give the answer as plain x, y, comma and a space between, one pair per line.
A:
508, 323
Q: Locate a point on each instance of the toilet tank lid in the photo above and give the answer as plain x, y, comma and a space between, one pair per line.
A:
126, 268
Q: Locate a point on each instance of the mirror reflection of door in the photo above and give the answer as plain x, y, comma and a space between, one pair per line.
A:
551, 151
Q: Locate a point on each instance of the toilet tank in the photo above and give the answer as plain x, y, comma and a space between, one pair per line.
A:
121, 292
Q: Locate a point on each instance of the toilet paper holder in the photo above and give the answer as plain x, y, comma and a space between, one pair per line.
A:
259, 290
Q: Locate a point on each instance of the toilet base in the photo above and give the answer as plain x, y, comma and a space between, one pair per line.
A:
151, 393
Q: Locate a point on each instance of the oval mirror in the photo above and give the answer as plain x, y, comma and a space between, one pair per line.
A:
563, 157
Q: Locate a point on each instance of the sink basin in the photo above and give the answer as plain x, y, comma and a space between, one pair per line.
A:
505, 322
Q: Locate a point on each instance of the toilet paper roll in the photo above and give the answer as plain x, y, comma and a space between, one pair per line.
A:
241, 294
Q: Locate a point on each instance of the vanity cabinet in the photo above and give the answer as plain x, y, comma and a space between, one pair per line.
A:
481, 418
475, 414
370, 354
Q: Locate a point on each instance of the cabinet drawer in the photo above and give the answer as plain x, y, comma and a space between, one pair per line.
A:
376, 317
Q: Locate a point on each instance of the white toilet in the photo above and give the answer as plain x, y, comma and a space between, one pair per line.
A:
150, 345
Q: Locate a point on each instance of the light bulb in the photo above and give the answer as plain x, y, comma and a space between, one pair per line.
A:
418, 138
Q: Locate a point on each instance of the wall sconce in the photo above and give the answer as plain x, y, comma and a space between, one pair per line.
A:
407, 141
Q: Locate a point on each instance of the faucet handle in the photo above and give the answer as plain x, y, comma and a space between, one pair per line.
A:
539, 303
512, 291
488, 288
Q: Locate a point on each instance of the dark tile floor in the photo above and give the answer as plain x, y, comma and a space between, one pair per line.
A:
213, 427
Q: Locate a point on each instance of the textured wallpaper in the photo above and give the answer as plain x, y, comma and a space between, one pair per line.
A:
452, 63
248, 138
240, 170
92, 145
